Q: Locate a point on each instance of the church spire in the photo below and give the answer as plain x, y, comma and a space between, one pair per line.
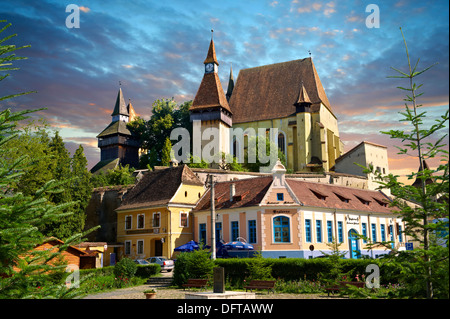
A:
303, 103
230, 84
211, 56
120, 108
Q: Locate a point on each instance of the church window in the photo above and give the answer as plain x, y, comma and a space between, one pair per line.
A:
282, 143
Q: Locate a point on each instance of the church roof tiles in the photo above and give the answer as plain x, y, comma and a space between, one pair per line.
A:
271, 91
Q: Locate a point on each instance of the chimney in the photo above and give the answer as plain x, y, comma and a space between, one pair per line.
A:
232, 191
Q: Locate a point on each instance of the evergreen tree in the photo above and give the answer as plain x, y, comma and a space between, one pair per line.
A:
425, 270
21, 214
166, 152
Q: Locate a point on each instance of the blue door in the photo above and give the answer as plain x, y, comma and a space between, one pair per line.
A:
353, 244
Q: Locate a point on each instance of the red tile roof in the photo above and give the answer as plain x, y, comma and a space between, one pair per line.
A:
210, 94
158, 187
249, 192
258, 90
304, 191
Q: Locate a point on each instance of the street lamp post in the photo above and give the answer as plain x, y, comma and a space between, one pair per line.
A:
213, 220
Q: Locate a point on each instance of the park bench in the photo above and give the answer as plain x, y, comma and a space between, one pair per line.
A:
195, 283
343, 284
261, 284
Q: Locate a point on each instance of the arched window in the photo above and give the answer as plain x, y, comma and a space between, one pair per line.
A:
282, 142
281, 229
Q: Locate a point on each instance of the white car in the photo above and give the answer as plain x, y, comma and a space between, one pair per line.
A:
166, 264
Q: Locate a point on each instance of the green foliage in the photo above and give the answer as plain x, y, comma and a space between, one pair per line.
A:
196, 264
166, 115
166, 153
421, 267
125, 268
299, 269
7, 57
121, 175
259, 268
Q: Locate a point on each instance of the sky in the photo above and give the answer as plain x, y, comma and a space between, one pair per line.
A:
156, 50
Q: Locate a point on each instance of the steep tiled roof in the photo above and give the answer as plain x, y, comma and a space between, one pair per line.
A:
211, 56
210, 94
271, 91
249, 192
158, 187
340, 197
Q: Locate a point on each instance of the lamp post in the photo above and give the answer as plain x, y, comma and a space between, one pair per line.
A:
213, 219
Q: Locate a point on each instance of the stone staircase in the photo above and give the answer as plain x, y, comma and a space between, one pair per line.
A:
159, 281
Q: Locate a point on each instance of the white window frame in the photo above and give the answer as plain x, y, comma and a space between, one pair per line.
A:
131, 222
159, 219
137, 247
187, 219
137, 221
125, 247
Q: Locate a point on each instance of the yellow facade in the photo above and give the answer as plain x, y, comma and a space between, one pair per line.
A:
156, 231
306, 135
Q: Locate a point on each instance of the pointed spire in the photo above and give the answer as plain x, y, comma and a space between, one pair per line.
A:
120, 108
230, 84
211, 56
303, 96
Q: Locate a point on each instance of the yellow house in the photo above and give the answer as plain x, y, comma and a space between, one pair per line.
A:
155, 216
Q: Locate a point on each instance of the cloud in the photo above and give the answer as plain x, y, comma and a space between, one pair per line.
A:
84, 9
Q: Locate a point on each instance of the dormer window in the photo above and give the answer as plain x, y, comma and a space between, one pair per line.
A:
364, 201
342, 198
381, 202
319, 195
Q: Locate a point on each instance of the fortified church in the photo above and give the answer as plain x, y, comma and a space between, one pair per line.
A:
288, 96
282, 215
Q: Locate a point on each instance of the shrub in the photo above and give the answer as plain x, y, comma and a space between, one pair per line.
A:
196, 264
146, 271
125, 268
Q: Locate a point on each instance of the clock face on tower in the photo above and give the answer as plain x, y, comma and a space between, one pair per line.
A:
209, 67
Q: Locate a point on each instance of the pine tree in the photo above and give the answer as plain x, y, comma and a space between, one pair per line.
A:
425, 269
22, 214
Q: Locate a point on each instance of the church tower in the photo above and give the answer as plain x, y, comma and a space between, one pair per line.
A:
210, 107
117, 144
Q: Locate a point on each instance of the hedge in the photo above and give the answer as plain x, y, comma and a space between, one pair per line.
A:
287, 269
143, 271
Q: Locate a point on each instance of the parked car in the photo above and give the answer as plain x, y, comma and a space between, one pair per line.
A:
141, 262
166, 264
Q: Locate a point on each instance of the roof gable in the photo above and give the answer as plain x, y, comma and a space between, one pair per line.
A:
248, 192
158, 187
258, 90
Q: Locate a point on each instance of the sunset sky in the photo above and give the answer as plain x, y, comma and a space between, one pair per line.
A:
157, 48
